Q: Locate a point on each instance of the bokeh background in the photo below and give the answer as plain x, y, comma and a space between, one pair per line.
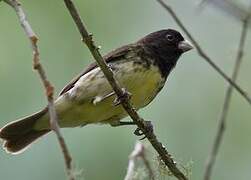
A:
184, 114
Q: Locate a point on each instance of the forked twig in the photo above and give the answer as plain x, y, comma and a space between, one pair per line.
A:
138, 152
47, 85
222, 120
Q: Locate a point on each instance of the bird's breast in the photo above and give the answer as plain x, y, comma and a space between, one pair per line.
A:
142, 80
91, 100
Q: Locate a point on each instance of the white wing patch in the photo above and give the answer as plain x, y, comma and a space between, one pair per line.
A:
99, 99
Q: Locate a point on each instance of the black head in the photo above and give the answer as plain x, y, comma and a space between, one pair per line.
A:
165, 46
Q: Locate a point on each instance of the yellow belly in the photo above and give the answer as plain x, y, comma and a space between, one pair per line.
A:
76, 107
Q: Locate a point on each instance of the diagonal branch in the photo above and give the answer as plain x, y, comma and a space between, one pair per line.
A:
122, 95
202, 53
222, 121
47, 85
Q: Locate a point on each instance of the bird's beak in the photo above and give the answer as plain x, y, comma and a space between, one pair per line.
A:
185, 46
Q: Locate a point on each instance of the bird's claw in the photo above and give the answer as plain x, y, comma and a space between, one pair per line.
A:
138, 132
149, 129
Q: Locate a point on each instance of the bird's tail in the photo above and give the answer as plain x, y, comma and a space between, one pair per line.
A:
19, 134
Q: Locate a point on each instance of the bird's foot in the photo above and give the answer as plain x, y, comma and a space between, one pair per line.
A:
149, 129
138, 131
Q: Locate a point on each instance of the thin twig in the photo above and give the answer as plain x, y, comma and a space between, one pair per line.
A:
139, 151
47, 85
122, 95
222, 120
201, 52
230, 7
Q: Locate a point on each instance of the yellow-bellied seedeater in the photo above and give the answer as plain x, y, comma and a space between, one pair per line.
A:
141, 68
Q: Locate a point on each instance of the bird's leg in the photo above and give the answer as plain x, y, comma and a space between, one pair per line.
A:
149, 128
137, 132
122, 123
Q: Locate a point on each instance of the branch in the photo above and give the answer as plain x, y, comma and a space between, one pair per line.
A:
139, 151
230, 7
47, 85
202, 53
122, 95
222, 121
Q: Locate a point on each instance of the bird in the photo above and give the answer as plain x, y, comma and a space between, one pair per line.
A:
141, 68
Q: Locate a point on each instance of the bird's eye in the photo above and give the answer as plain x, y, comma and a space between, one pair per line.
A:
170, 37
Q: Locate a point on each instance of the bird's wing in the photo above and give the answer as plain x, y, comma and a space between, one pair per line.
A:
110, 57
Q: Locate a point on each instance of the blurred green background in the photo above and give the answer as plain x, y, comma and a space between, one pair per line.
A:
184, 114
